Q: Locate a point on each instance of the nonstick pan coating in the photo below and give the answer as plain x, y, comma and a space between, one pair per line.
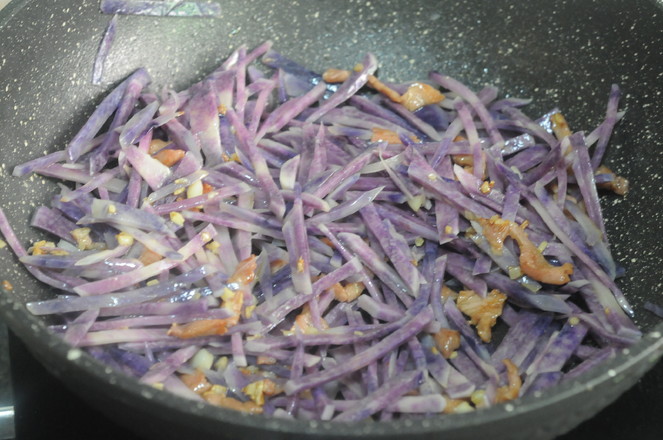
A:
563, 54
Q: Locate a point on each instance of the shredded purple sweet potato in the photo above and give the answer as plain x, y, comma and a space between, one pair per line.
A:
103, 51
161, 8
330, 247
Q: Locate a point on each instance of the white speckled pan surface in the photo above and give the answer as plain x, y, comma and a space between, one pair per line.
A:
564, 54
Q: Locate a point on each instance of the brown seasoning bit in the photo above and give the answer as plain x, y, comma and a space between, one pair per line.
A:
196, 382
532, 261
228, 402
349, 292
304, 322
464, 160
384, 89
332, 76
169, 157
495, 230
559, 126
156, 145
447, 293
483, 312
619, 185
148, 257
512, 390
419, 95
300, 265
233, 300
447, 341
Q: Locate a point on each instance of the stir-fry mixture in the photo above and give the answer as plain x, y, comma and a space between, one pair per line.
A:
331, 246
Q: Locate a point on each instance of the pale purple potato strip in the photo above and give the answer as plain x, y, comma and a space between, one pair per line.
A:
351, 86
104, 50
183, 138
605, 130
392, 245
332, 336
378, 266
161, 8
113, 213
210, 198
339, 175
152, 241
479, 161
174, 384
189, 164
598, 357
288, 173
149, 321
377, 351
429, 403
106, 108
249, 215
394, 389
51, 220
160, 371
100, 155
591, 264
296, 242
99, 181
79, 175
276, 202
243, 239
138, 124
78, 328
413, 120
20, 251
378, 310
54, 261
314, 154
472, 99
150, 169
118, 299
347, 116
204, 120
160, 308
277, 315
178, 184
127, 279
283, 114
234, 223
346, 208
559, 349
40, 162
108, 337
582, 169
101, 256
421, 172
521, 339
347, 255
261, 103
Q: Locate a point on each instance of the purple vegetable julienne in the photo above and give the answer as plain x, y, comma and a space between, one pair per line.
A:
104, 50
277, 244
161, 8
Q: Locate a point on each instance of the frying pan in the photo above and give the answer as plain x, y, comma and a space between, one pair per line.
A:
563, 54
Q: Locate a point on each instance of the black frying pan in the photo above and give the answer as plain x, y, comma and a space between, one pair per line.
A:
562, 54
